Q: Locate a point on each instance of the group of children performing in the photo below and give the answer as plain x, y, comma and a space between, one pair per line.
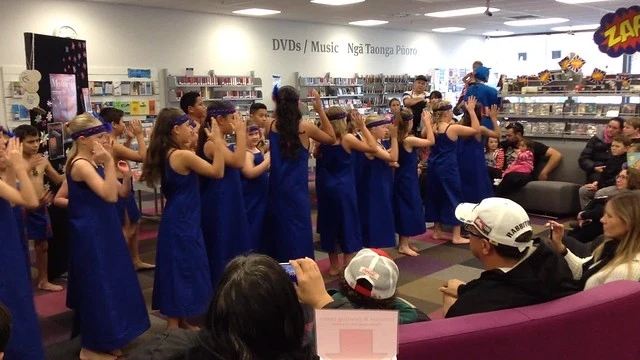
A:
224, 200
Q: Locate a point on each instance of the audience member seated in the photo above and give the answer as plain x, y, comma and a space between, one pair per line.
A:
632, 130
255, 314
514, 181
596, 153
523, 163
618, 257
494, 158
369, 282
517, 272
605, 184
588, 226
5, 329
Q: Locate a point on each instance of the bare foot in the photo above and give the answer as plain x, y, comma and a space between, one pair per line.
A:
441, 236
407, 250
460, 241
413, 247
140, 265
334, 271
86, 354
47, 286
185, 325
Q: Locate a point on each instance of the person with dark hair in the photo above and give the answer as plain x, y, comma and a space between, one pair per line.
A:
5, 329
416, 100
514, 181
258, 114
394, 105
288, 232
369, 282
517, 272
193, 105
597, 151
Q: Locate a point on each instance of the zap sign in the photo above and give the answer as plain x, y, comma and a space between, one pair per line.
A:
619, 32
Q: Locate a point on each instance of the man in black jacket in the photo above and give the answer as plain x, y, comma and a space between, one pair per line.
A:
596, 153
518, 273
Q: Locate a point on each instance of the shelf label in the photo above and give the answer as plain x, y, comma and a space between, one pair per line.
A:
619, 32
139, 73
333, 47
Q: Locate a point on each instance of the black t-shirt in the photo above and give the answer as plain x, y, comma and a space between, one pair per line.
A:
539, 153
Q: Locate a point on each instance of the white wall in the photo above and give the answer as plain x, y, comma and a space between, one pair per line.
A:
132, 36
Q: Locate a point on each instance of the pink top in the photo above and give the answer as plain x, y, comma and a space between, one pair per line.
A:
522, 164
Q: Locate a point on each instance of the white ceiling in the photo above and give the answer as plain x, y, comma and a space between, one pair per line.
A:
404, 14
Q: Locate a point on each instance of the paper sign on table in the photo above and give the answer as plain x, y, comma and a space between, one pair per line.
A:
357, 334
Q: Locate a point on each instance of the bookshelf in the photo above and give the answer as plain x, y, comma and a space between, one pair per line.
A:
340, 91
379, 89
14, 113
241, 89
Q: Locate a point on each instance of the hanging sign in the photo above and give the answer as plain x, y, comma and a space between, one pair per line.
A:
619, 32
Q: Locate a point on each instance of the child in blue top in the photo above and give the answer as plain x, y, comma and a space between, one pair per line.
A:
255, 181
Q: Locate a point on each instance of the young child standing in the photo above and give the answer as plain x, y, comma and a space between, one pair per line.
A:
407, 205
375, 190
255, 181
182, 283
15, 276
103, 285
224, 218
336, 188
128, 211
38, 223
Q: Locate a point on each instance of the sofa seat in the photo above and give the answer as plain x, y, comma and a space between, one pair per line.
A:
549, 197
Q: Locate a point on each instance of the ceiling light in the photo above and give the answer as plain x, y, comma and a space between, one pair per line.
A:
461, 12
368, 22
256, 12
580, 1
498, 33
534, 22
336, 2
576, 27
448, 29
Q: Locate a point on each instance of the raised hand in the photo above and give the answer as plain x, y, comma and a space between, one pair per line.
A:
426, 118
393, 131
357, 119
493, 111
317, 102
123, 166
100, 154
238, 123
470, 104
136, 127
14, 155
213, 133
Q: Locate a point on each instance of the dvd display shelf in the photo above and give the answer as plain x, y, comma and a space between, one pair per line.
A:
341, 91
241, 89
379, 89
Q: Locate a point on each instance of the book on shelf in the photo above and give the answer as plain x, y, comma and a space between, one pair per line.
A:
135, 108
557, 109
125, 87
557, 128
611, 110
152, 107
117, 90
591, 109
629, 109
107, 88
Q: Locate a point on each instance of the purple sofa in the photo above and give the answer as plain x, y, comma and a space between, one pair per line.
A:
600, 323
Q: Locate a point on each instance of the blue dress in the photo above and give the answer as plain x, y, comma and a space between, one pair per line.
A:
103, 285
181, 285
223, 220
375, 193
128, 204
407, 205
337, 201
288, 233
255, 192
15, 291
474, 177
443, 189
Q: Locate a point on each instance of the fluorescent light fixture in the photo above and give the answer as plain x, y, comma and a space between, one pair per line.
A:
256, 12
498, 33
535, 22
368, 22
448, 29
576, 27
336, 2
461, 12
580, 1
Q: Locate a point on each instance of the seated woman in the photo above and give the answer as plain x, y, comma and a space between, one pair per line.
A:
618, 257
589, 226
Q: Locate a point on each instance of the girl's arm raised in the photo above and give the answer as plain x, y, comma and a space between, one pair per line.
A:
26, 196
325, 133
391, 155
106, 188
187, 160
494, 120
236, 159
369, 145
125, 153
250, 171
125, 187
427, 131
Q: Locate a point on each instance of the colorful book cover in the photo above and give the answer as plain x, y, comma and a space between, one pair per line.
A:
135, 108
118, 105
64, 99
152, 107
144, 107
126, 107
633, 160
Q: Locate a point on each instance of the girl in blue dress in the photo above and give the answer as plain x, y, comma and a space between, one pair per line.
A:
15, 276
128, 211
182, 282
336, 187
103, 285
224, 218
475, 180
443, 190
255, 182
375, 189
407, 206
288, 232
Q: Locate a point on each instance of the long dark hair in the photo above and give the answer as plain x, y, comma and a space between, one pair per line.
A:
288, 116
255, 314
202, 135
160, 143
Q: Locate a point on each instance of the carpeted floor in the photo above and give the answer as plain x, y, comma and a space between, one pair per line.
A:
419, 280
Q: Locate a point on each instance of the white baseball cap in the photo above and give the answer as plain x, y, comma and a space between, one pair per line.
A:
500, 220
378, 268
